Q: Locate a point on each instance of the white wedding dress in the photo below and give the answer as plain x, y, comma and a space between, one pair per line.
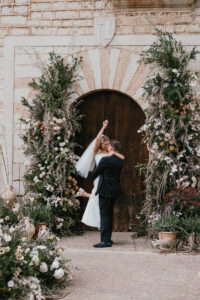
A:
91, 216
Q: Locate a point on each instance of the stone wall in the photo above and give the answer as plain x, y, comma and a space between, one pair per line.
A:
29, 30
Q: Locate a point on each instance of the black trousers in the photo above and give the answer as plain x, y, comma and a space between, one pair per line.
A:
106, 218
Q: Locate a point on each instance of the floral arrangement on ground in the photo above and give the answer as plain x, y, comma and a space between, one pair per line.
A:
29, 267
49, 143
172, 134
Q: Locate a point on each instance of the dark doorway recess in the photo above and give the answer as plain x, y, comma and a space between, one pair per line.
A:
125, 118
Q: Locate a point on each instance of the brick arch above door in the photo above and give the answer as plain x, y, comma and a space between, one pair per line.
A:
112, 68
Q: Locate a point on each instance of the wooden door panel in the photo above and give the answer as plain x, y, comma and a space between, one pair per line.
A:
125, 118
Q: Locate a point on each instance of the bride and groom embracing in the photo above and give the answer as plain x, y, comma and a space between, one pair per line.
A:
106, 176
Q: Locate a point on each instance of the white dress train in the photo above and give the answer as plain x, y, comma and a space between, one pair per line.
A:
91, 216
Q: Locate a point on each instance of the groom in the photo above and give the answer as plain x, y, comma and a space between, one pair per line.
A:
109, 170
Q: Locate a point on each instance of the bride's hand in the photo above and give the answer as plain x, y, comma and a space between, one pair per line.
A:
105, 123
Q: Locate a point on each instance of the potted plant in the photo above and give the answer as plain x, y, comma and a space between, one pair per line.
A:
166, 228
190, 227
39, 213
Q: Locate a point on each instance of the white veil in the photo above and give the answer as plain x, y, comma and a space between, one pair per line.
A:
86, 162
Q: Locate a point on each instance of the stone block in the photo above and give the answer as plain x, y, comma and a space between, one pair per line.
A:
36, 15
22, 9
89, 30
6, 10
45, 22
13, 20
27, 71
19, 31
67, 23
124, 29
180, 28
88, 4
18, 156
63, 31
193, 28
40, 6
31, 22
100, 4
17, 141
3, 32
66, 14
22, 1
57, 23
59, 5
73, 5
21, 187
86, 14
48, 14
88, 22
16, 175
43, 31
142, 28
21, 171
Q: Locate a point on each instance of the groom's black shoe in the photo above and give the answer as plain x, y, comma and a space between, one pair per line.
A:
103, 245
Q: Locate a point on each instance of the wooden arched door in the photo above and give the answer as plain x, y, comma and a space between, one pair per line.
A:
125, 118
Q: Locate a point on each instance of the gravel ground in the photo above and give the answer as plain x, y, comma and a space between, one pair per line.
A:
130, 270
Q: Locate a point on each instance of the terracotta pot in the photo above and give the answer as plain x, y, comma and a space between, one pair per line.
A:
167, 239
9, 195
167, 235
41, 224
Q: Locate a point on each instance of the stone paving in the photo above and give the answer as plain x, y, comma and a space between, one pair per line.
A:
130, 270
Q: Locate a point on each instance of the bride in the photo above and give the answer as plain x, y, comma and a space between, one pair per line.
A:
92, 155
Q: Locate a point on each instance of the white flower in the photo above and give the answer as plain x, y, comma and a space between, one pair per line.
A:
56, 128
174, 169
42, 174
155, 146
11, 283
58, 274
34, 252
62, 144
27, 250
43, 267
175, 71
186, 184
1, 220
41, 247
35, 260
55, 265
194, 80
59, 226
194, 179
7, 237
36, 179
59, 121
16, 207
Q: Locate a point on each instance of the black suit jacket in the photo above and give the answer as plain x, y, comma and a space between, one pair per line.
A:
109, 170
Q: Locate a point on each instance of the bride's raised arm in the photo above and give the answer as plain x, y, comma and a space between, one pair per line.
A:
98, 138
